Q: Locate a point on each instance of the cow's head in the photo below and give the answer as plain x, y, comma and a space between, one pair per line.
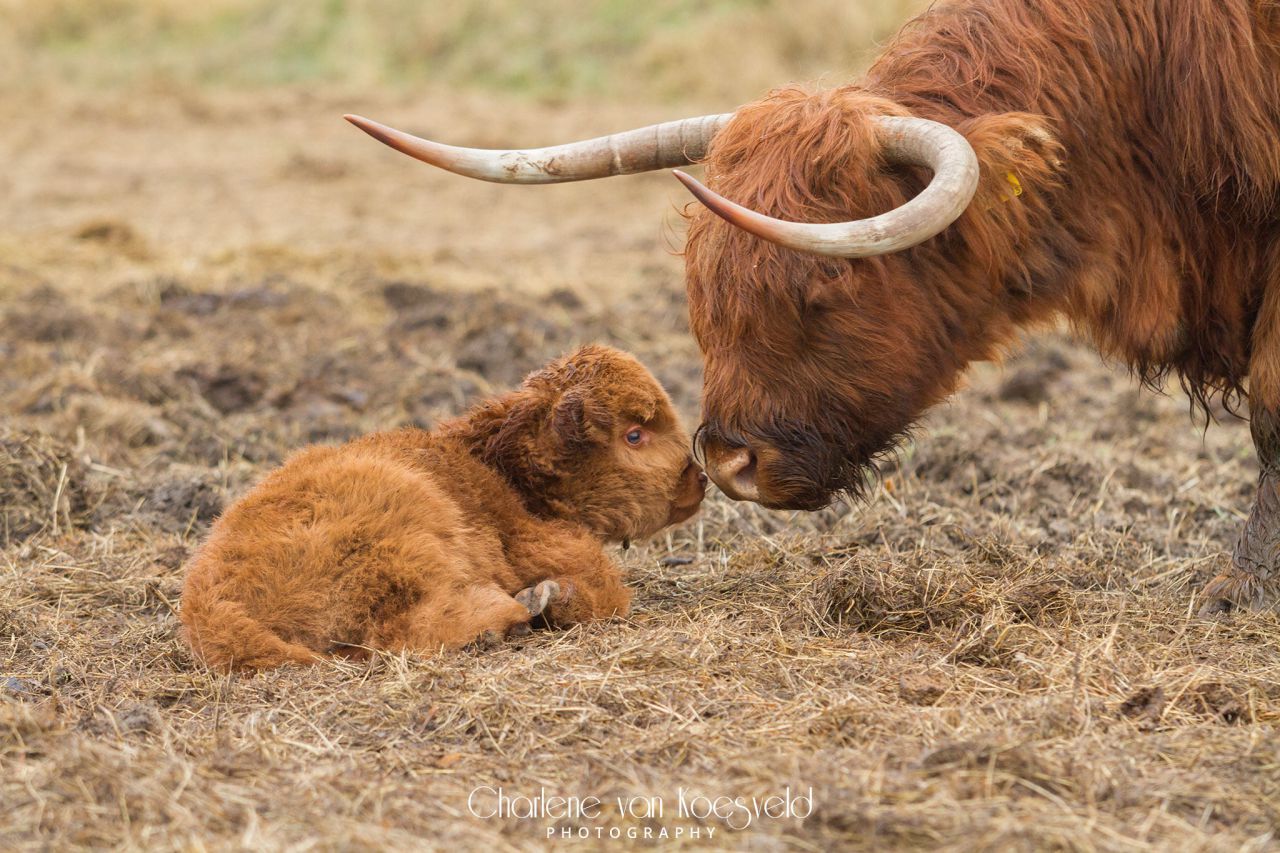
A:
824, 340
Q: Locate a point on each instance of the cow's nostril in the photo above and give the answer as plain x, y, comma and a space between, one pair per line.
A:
736, 475
745, 477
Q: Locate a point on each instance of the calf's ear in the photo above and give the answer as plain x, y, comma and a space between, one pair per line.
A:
577, 422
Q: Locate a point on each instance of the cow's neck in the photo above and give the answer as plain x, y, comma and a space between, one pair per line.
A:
1172, 165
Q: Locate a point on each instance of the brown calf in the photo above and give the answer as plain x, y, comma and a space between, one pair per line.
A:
426, 540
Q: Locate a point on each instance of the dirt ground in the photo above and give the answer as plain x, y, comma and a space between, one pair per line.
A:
998, 651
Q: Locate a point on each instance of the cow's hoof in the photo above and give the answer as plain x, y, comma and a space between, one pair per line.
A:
520, 629
1234, 590
536, 598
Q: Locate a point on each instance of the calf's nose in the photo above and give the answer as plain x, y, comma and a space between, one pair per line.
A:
693, 477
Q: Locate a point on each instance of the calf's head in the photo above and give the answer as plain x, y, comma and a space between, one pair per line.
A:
592, 438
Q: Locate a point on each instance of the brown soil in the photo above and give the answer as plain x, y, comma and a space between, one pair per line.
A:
997, 651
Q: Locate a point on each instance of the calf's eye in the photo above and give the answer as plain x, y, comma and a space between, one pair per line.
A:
635, 437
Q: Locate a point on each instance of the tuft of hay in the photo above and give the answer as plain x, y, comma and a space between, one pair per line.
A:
44, 487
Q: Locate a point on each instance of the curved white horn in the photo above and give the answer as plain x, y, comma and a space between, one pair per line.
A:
658, 146
916, 141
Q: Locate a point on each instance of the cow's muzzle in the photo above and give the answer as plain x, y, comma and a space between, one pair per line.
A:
732, 461
791, 471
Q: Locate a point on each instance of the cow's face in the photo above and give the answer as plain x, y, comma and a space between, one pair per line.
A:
813, 365
805, 385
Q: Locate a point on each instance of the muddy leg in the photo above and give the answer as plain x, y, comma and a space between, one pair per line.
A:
1253, 580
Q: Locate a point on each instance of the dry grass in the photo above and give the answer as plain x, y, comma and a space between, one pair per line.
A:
997, 652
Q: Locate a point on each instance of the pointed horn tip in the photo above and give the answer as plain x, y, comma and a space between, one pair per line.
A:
377, 130
382, 133
361, 122
692, 184
709, 198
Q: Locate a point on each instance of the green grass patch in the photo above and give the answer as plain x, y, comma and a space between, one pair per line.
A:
553, 48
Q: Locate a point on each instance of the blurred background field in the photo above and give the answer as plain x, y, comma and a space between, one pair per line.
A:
202, 268
663, 50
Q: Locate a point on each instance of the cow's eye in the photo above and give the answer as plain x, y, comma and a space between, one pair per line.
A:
635, 436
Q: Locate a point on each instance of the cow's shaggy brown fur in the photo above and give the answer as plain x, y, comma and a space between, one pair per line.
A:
1144, 140
417, 540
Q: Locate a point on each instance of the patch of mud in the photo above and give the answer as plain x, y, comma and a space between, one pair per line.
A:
1214, 701
497, 337
182, 498
1145, 705
921, 688
44, 316
1218, 702
229, 389
1033, 378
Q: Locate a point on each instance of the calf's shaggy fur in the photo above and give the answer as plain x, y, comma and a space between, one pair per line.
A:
427, 540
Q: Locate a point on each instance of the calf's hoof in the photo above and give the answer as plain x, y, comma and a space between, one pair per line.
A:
536, 598
486, 641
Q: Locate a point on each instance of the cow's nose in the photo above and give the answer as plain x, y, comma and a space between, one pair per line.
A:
734, 471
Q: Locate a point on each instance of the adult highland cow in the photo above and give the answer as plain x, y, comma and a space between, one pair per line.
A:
1113, 161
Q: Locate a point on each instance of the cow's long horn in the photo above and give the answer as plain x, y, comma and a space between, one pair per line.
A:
658, 146
915, 141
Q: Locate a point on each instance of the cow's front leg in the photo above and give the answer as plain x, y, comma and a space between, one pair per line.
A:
1253, 581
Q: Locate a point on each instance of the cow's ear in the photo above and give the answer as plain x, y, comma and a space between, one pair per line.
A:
577, 423
1018, 153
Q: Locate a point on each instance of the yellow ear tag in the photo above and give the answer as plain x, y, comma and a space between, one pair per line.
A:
1013, 182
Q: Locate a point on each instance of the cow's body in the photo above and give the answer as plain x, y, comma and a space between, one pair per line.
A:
1130, 159
1160, 241
1156, 236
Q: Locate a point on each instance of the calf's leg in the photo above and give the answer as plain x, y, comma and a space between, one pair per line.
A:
1253, 579
570, 578
456, 617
